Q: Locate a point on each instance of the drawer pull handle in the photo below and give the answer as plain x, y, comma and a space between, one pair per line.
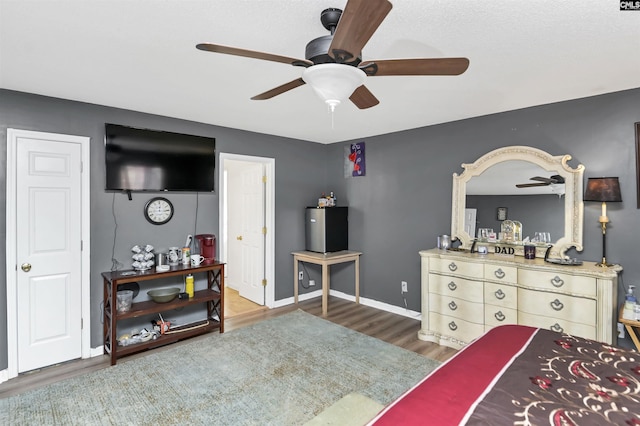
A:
556, 327
452, 286
453, 326
499, 294
556, 305
557, 282
453, 267
499, 316
453, 306
499, 273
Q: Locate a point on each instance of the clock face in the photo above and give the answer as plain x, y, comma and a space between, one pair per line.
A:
158, 210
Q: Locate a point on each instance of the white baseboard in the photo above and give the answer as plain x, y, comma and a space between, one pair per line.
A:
99, 351
4, 375
363, 300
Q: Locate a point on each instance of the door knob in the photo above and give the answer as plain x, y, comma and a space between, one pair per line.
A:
239, 238
26, 267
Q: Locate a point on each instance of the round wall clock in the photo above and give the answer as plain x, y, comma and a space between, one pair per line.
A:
158, 210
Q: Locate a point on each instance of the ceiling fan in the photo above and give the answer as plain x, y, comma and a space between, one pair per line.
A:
542, 181
333, 63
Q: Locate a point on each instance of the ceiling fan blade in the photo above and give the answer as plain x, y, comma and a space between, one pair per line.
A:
279, 90
228, 50
435, 66
542, 179
529, 185
359, 20
363, 98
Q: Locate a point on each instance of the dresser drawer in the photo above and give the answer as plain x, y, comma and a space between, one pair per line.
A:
457, 328
572, 284
458, 308
457, 267
499, 315
557, 324
502, 273
461, 288
500, 295
554, 305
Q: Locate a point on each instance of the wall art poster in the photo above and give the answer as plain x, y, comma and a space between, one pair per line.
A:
357, 159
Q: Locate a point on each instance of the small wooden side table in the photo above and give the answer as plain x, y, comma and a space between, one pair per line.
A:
325, 259
630, 325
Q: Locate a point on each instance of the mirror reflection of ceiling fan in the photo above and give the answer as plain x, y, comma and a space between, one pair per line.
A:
542, 181
333, 63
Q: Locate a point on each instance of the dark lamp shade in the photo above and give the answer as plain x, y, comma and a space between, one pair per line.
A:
606, 189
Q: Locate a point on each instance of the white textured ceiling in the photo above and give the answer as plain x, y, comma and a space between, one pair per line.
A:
141, 55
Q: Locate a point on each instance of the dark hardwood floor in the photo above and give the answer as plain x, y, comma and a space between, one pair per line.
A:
395, 329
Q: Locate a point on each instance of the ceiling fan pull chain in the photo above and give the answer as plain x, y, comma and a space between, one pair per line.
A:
331, 110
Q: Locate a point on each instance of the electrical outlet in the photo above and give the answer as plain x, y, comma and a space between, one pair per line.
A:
300, 275
620, 330
405, 289
312, 283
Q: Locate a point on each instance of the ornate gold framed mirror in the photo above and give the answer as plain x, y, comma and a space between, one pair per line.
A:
499, 171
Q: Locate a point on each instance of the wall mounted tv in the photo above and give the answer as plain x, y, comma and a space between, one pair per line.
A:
152, 160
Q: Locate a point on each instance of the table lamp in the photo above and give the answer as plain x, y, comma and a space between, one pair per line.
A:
605, 189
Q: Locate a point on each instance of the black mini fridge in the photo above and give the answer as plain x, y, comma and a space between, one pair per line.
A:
327, 229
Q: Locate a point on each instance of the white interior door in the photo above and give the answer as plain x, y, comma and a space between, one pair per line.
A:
470, 221
48, 250
230, 210
245, 222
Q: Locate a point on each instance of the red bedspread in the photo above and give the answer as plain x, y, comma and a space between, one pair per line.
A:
525, 376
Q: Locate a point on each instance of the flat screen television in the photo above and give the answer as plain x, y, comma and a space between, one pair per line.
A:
152, 160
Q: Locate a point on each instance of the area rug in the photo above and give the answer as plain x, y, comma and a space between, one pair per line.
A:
282, 371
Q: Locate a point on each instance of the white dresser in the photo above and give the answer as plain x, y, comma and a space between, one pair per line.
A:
464, 295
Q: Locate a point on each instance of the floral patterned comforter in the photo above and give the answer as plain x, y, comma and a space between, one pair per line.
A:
517, 375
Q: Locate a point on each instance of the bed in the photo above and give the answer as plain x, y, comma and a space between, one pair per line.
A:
517, 375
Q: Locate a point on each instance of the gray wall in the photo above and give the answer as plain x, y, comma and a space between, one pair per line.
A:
300, 174
397, 209
404, 202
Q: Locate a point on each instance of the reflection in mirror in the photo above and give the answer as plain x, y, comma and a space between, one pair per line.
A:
553, 201
531, 195
537, 213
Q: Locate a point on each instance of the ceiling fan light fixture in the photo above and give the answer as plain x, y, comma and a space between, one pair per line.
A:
333, 83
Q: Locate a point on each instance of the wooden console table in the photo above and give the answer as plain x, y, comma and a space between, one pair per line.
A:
212, 296
325, 259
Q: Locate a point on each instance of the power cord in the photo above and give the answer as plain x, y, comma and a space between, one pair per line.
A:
406, 307
306, 273
195, 221
115, 264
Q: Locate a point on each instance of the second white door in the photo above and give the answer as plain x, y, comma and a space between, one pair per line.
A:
246, 228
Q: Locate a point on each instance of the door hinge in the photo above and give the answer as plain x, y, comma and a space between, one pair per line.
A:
81, 323
264, 179
264, 230
264, 282
81, 245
